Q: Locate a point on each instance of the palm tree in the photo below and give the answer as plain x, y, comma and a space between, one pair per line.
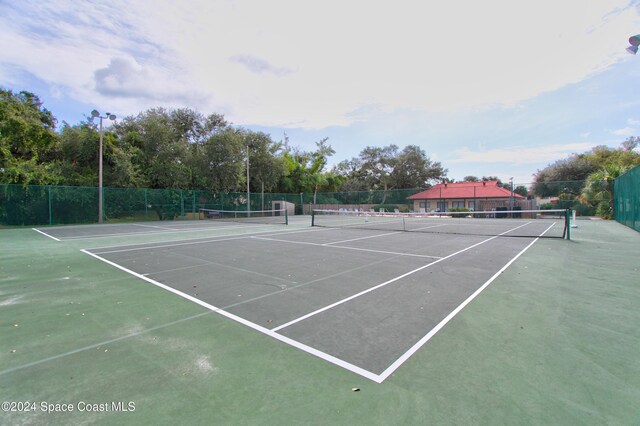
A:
598, 189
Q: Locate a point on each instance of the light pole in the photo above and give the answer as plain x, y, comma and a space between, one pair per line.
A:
512, 196
248, 192
634, 41
96, 114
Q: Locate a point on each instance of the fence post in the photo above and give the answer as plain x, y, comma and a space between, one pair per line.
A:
301, 203
50, 215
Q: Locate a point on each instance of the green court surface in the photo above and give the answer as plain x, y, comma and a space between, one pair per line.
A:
553, 338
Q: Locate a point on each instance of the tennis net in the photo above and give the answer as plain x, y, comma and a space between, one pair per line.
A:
278, 217
516, 223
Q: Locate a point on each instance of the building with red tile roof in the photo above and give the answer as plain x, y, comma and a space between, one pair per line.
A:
486, 195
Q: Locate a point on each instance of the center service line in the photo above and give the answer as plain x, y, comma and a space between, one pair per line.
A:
340, 302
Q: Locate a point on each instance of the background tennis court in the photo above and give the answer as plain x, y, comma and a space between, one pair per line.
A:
547, 340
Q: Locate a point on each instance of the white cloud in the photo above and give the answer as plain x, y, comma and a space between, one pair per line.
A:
633, 122
259, 65
625, 131
125, 78
312, 65
519, 155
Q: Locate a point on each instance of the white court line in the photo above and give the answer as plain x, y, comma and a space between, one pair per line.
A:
45, 234
201, 240
222, 265
169, 245
317, 280
362, 238
284, 339
97, 345
129, 234
456, 224
156, 227
298, 231
394, 253
369, 290
429, 227
404, 357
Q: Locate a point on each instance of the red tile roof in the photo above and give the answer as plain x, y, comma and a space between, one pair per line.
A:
468, 190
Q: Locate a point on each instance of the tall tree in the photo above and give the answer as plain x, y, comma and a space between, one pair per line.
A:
266, 165
305, 171
385, 168
568, 176
631, 143
377, 163
598, 189
27, 140
221, 164
79, 155
167, 146
414, 169
316, 177
522, 190
352, 175
295, 162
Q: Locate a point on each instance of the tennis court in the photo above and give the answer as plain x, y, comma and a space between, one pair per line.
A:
247, 323
362, 299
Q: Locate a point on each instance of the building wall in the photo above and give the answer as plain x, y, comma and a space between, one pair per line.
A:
443, 205
478, 204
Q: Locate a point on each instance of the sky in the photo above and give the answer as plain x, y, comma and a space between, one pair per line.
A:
493, 88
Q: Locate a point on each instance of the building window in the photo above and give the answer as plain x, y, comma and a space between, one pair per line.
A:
457, 204
442, 206
471, 205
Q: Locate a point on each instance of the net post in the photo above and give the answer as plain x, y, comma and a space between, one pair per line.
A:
574, 224
313, 217
567, 223
286, 216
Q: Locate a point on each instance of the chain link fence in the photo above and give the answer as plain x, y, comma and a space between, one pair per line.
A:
56, 205
626, 199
